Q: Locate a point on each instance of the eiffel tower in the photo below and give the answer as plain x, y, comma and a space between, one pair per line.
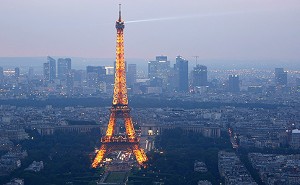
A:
120, 110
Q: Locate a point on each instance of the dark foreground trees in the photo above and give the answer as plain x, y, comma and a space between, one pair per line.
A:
66, 156
174, 162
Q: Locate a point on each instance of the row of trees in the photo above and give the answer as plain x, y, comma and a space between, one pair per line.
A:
135, 101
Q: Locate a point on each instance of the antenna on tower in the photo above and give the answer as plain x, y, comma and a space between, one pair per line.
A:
119, 12
196, 57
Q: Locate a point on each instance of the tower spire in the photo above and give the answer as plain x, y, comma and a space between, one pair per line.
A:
120, 13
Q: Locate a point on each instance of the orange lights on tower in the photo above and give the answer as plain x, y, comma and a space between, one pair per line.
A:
120, 109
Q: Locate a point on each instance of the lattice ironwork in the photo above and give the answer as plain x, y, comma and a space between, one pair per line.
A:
120, 109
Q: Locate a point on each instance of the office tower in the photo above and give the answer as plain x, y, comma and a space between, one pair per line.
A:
160, 68
156, 82
109, 78
100, 70
298, 82
49, 70
52, 68
181, 68
199, 76
69, 82
161, 58
95, 75
295, 139
110, 70
1, 73
30, 73
17, 72
131, 74
63, 68
234, 83
78, 75
280, 76
46, 72
173, 80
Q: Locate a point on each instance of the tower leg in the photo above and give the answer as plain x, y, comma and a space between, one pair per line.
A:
129, 126
100, 155
111, 125
140, 154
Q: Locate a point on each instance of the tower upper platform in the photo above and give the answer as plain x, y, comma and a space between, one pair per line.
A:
119, 23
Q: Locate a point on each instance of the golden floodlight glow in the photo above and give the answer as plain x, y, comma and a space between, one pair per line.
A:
120, 109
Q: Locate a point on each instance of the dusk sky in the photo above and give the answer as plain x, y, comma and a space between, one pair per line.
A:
211, 29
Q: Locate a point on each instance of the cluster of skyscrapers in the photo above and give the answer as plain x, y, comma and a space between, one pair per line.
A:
94, 79
162, 77
63, 69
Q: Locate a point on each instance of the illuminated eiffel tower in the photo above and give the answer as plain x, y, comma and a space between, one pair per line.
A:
120, 109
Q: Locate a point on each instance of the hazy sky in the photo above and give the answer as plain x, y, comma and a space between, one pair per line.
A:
212, 29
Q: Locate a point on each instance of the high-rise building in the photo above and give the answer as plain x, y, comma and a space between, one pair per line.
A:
79, 75
17, 72
161, 58
160, 68
30, 73
95, 75
52, 67
295, 139
110, 70
298, 82
100, 70
280, 76
69, 82
63, 68
181, 68
1, 73
234, 83
199, 76
46, 72
49, 69
131, 74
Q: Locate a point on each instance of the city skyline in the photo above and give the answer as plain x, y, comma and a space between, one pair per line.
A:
248, 30
183, 120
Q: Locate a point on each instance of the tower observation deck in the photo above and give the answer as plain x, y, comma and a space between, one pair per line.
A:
120, 110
